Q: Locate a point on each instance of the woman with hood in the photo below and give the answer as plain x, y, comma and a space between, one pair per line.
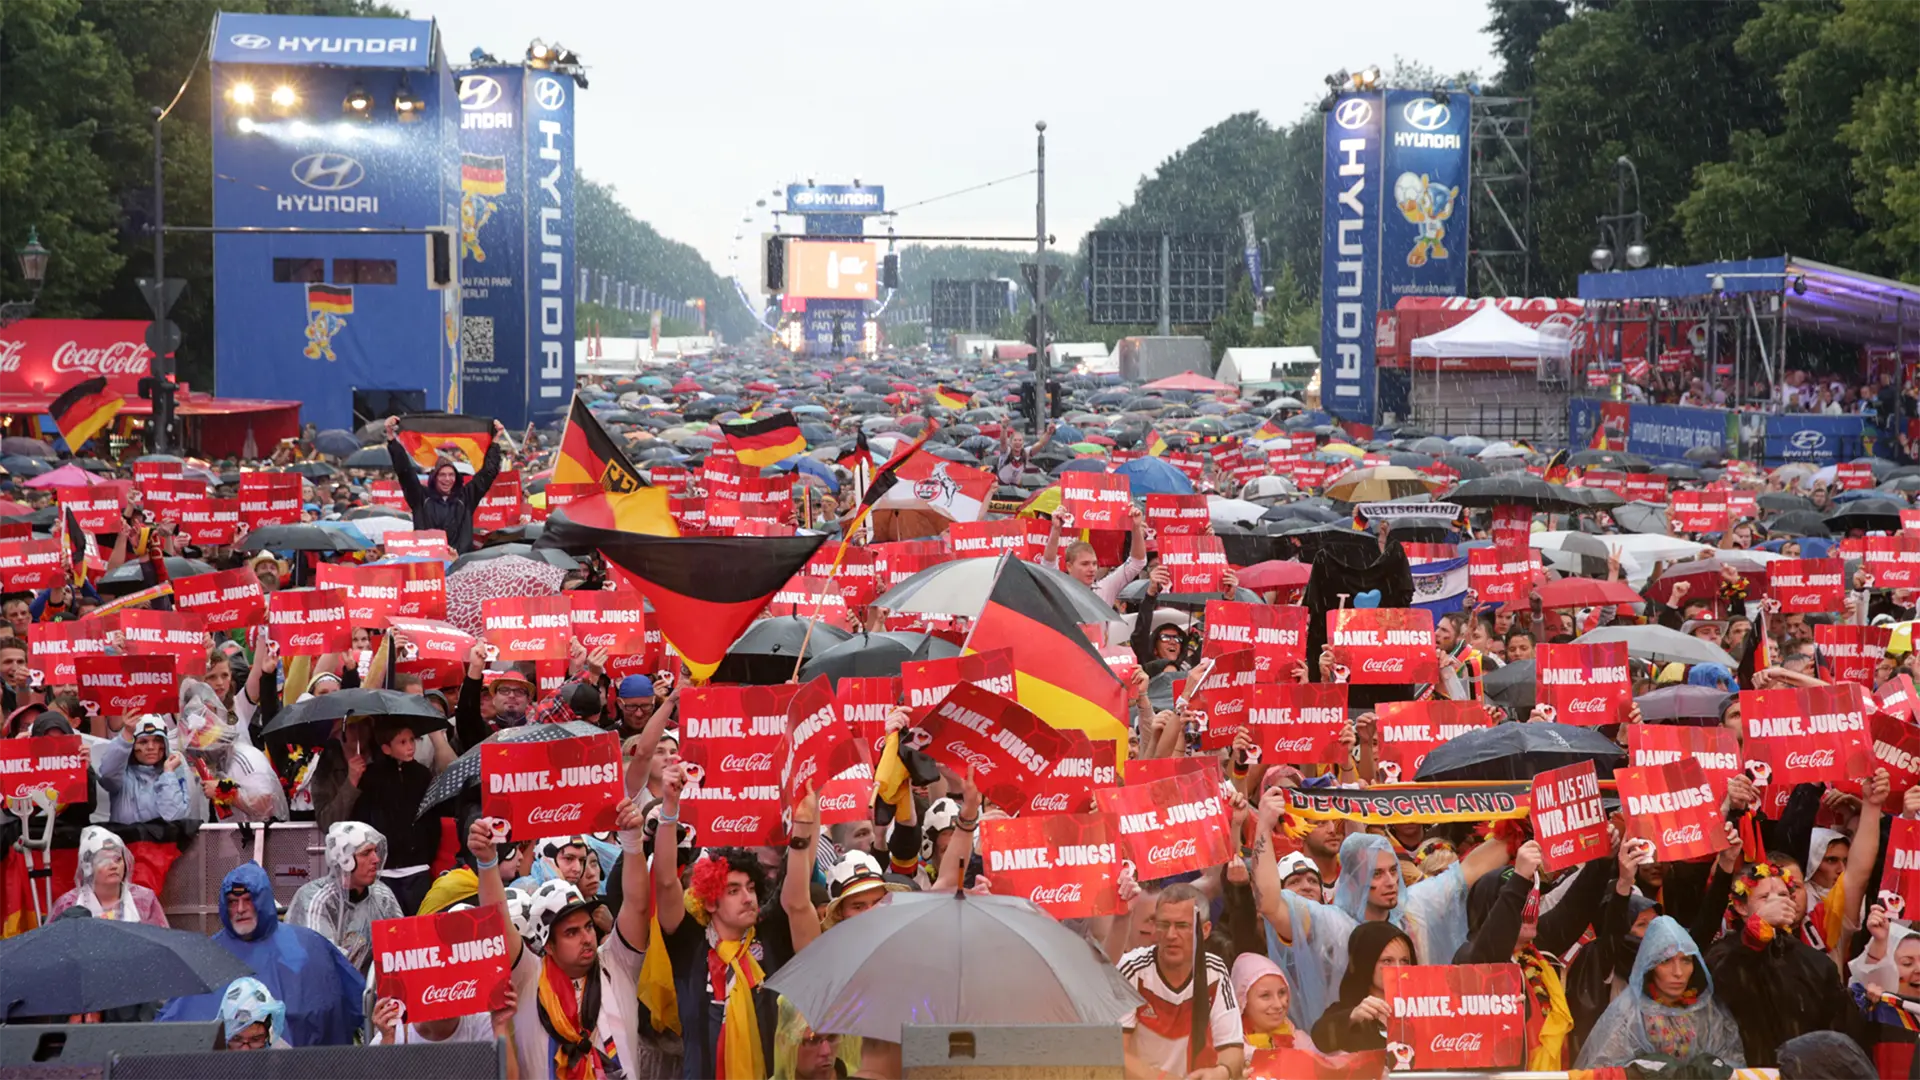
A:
103, 883
321, 991
1885, 980
447, 500
145, 775
1776, 985
251, 1018
1357, 1020
343, 906
1261, 988
1667, 1007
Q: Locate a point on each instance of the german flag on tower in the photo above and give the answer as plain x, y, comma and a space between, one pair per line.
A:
424, 435
1058, 675
483, 175
765, 440
85, 408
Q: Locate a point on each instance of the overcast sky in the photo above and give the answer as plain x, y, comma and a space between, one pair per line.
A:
696, 109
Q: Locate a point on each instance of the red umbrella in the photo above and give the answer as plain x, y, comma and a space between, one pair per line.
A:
8, 508
762, 387
1275, 574
907, 386
686, 386
1100, 440
1578, 592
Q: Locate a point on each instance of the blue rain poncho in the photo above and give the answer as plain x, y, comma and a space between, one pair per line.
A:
1636, 1026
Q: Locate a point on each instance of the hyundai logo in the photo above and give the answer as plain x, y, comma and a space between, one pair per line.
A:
549, 93
1353, 112
1807, 440
478, 91
1426, 114
251, 41
328, 171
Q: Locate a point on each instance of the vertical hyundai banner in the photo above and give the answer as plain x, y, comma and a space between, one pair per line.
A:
1350, 256
493, 244
1425, 184
548, 113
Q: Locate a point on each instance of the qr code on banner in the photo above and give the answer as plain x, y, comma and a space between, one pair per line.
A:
476, 339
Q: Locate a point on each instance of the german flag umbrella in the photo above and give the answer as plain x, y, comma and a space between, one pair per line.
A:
1382, 483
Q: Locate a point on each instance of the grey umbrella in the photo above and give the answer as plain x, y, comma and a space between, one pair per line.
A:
336, 443
1506, 752
1682, 703
951, 958
369, 457
960, 587
1512, 686
1577, 553
1661, 644
464, 772
26, 447
81, 965
1641, 517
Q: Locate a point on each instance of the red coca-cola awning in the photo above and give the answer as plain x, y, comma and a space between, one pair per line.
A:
46, 356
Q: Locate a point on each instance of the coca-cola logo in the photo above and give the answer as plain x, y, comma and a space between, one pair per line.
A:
119, 358
1684, 834
761, 762
1056, 803
563, 814
1067, 892
981, 763
1184, 848
457, 991
1462, 1042
1813, 759
1594, 704
1393, 664
741, 824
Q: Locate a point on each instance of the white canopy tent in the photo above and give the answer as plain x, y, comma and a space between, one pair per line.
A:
1241, 366
1490, 331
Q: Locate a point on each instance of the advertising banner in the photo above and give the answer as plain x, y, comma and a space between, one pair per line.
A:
1221, 700
181, 635
501, 508
1008, 748
1196, 564
1094, 501
96, 508
1645, 487
1382, 645
1175, 825
495, 186
54, 646
1583, 684
47, 356
1456, 1016
311, 622
1896, 748
983, 539
440, 966
1900, 886
42, 763
163, 496
30, 565
1277, 633
1066, 864
1807, 585
819, 746
925, 683
1822, 440
423, 590
1850, 653
129, 684
1068, 786
1423, 230
270, 498
1298, 723
1502, 575
1664, 433
1568, 821
528, 627
1411, 729
552, 788
1807, 736
864, 704
210, 522
1178, 515
549, 285
429, 640
1698, 511
1716, 749
227, 599
615, 621
1351, 256
732, 739
1893, 561
1673, 806
808, 597
373, 592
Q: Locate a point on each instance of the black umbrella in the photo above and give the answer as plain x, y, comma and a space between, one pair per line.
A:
1799, 523
39, 519
369, 457
1868, 514
297, 538
313, 719
465, 771
83, 965
876, 655
1779, 502
1608, 459
550, 556
1516, 489
1519, 752
313, 470
1705, 455
132, 576
765, 654
524, 533
1511, 685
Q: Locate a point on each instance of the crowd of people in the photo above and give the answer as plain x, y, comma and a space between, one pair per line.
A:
643, 952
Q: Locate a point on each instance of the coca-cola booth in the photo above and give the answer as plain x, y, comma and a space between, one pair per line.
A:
41, 358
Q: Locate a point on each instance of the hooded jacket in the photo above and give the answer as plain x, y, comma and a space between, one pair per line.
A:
298, 967
1778, 990
333, 909
142, 792
451, 513
1636, 1025
1336, 1029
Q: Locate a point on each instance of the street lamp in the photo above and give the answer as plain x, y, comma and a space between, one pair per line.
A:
33, 266
1622, 229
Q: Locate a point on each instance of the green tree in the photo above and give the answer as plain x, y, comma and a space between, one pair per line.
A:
1517, 27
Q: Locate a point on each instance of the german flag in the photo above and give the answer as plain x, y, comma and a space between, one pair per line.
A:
646, 511
588, 455
483, 175
1058, 675
949, 398
861, 454
74, 543
335, 299
424, 435
1269, 430
705, 591
83, 409
1557, 470
765, 440
1156, 444
888, 474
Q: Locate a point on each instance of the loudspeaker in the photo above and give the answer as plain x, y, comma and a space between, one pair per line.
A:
776, 264
443, 268
420, 1061
1013, 1051
76, 1045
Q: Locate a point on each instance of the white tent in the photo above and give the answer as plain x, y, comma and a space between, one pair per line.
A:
1490, 331
1241, 366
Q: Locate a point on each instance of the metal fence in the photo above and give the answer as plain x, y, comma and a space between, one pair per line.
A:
1536, 424
292, 853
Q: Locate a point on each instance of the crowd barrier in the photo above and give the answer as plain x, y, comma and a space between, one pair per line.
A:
293, 853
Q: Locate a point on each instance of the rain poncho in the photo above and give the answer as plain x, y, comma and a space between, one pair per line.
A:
248, 1002
329, 907
142, 792
1432, 912
1636, 1026
320, 989
207, 734
137, 903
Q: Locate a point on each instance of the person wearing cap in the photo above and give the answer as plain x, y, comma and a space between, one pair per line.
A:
343, 906
489, 700
556, 858
637, 703
855, 885
578, 1010
1300, 875
145, 777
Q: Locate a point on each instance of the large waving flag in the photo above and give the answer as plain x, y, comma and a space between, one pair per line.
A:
424, 435
765, 440
705, 591
1156, 444
946, 487
588, 455
1058, 675
949, 398
83, 409
1440, 585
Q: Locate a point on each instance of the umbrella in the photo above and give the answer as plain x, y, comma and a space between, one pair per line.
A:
1381, 484
1518, 752
27, 447
509, 572
369, 457
1799, 523
916, 958
313, 470
1703, 575
1640, 517
131, 576
1516, 489
876, 655
960, 587
1511, 685
1676, 471
1661, 644
1275, 574
553, 557
1573, 552
1152, 476
297, 538
1682, 702
1578, 592
1779, 502
765, 654
1608, 459
464, 772
1868, 514
68, 475
314, 718
19, 465
336, 443
83, 965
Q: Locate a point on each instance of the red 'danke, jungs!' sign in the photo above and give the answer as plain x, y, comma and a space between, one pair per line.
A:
309, 622
129, 684
227, 599
30, 565
1277, 633
552, 788
528, 627
1456, 1016
925, 683
1382, 645
1409, 730
1066, 864
44, 762
1807, 736
54, 646
1196, 565
209, 522
269, 498
615, 621
1850, 653
1090, 500
1807, 585
1008, 748
1298, 723
440, 966
1171, 826
373, 592
819, 747
732, 739
1673, 806
1583, 683
1715, 748
1178, 515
